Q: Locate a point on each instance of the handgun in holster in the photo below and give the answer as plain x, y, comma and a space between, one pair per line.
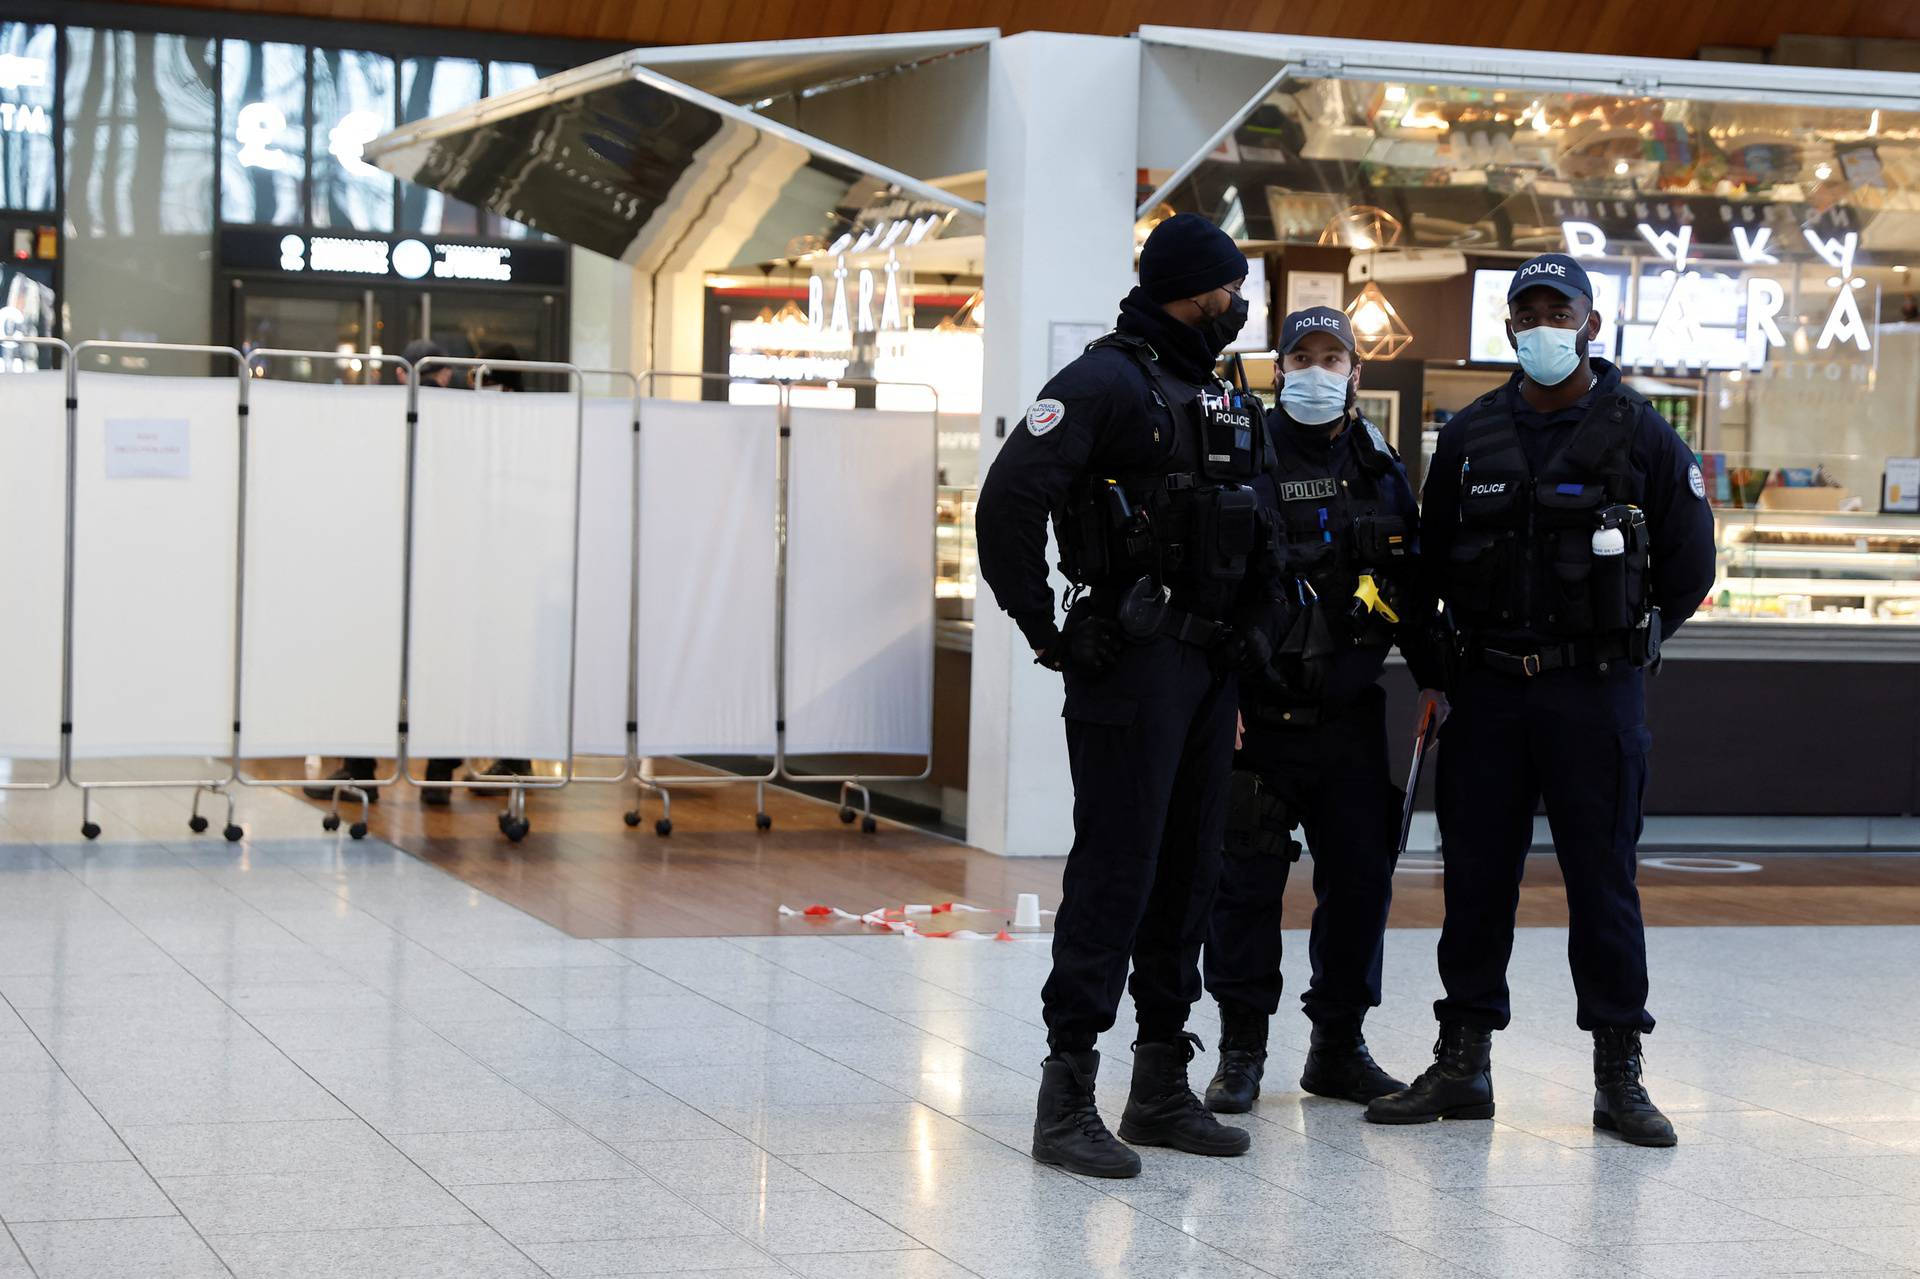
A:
1258, 821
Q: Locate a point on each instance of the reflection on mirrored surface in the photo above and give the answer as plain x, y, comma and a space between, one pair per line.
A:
628, 160
1456, 166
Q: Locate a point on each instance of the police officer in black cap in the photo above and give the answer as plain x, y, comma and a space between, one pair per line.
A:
1314, 753
1567, 526
1143, 459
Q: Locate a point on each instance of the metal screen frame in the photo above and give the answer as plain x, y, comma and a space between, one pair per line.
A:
70, 419
222, 786
513, 821
357, 789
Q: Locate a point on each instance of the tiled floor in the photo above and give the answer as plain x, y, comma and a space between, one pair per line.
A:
294, 1057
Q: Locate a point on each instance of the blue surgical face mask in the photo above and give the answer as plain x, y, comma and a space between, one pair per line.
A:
1314, 396
1548, 355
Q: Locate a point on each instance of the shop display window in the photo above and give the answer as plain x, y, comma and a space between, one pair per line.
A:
957, 568
353, 103
263, 135
27, 116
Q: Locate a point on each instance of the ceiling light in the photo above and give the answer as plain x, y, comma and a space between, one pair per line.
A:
1823, 171
1379, 332
1621, 167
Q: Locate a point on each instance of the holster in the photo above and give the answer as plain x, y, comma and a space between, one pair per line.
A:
1259, 823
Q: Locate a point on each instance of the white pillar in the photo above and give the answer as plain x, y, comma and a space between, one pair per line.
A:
1062, 145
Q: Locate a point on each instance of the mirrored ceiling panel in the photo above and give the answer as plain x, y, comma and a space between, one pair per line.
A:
630, 163
1375, 164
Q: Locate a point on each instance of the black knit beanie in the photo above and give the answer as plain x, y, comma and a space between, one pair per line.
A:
1187, 255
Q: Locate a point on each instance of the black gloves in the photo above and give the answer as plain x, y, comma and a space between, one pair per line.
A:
1089, 646
1246, 651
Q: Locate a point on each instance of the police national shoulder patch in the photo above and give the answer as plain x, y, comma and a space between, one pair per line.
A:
1379, 440
1697, 480
1045, 415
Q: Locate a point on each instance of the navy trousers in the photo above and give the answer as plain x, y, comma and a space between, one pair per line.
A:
1577, 739
1150, 744
1335, 778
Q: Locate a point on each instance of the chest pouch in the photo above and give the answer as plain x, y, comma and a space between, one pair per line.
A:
1229, 425
1583, 585
1380, 540
1225, 532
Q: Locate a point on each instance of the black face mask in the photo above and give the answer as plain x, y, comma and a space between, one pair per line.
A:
1220, 330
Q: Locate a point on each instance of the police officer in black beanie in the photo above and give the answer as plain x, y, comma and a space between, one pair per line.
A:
1142, 457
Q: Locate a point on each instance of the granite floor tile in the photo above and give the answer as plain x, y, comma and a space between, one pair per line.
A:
256, 1203
708, 1254
789, 1221
312, 1145
731, 1166
586, 1211
540, 1154
146, 1247
400, 1252
79, 1192
1799, 1255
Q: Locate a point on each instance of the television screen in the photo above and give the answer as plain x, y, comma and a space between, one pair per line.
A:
1487, 336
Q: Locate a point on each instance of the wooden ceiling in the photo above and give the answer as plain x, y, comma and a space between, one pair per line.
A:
1648, 28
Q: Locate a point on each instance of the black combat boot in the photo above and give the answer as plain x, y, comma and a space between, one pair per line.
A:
1459, 1084
1243, 1059
1620, 1101
1162, 1110
1339, 1065
1068, 1131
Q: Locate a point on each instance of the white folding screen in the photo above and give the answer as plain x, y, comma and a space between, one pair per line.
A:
33, 571
606, 581
707, 577
326, 544
155, 514
494, 508
859, 641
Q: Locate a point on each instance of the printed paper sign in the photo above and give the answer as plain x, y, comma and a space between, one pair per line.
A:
148, 448
1902, 491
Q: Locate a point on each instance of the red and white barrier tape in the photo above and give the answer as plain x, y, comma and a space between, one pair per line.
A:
900, 919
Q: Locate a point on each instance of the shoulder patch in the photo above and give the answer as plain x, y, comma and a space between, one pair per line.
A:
1697, 481
1379, 440
1044, 416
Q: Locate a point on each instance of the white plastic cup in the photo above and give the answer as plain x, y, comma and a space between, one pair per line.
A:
1026, 910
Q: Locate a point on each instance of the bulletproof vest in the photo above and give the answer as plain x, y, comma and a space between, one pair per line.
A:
1189, 518
1524, 556
1339, 522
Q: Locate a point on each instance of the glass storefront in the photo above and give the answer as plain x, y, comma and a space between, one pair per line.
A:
1751, 262
119, 173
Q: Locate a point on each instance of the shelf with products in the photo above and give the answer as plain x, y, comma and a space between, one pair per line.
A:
1816, 566
957, 566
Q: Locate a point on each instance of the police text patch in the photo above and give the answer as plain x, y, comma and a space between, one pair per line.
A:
1045, 415
1698, 481
1309, 490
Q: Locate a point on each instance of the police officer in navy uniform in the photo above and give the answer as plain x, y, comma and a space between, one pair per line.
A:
1567, 526
1314, 751
1143, 458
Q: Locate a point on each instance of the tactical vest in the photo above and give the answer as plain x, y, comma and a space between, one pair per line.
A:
1523, 557
1338, 522
1189, 518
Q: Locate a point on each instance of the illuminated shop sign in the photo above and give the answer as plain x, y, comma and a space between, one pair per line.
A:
860, 302
1694, 326
364, 257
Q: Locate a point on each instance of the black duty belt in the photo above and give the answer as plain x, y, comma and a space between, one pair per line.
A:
1190, 628
1527, 663
1175, 623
